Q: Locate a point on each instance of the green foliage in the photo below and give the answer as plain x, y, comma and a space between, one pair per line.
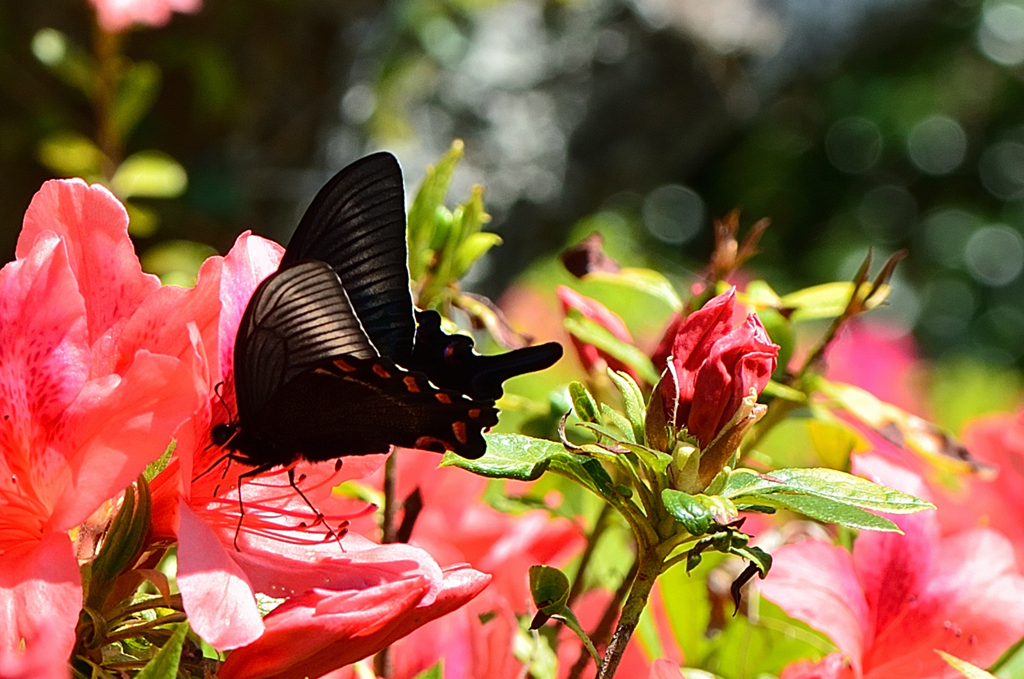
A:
521, 458
164, 665
149, 174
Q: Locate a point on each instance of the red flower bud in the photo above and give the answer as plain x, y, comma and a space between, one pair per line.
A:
716, 365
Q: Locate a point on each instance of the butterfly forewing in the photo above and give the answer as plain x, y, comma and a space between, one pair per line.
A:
356, 224
297, 317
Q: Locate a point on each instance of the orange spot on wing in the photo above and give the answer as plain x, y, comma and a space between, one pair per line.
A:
381, 371
459, 429
443, 398
431, 443
410, 384
341, 364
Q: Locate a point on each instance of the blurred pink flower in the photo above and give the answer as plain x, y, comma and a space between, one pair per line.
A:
993, 501
897, 598
592, 358
75, 431
457, 527
663, 668
880, 360
115, 16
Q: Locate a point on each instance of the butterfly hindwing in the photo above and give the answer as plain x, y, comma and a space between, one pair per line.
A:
351, 406
450, 362
356, 224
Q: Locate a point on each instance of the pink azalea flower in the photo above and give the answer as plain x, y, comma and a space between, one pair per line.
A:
74, 432
325, 628
995, 500
592, 358
115, 16
897, 598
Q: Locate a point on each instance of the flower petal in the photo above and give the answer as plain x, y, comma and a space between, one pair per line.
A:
118, 426
815, 582
40, 598
217, 595
94, 227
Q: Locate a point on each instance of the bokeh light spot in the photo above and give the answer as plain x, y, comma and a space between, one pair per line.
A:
937, 145
1001, 33
994, 255
673, 214
1001, 168
853, 145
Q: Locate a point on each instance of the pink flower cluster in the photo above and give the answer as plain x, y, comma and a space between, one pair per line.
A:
101, 368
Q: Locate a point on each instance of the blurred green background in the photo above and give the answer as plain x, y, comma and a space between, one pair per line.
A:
861, 124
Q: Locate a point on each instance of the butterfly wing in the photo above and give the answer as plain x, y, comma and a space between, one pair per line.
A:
349, 406
450, 362
356, 224
297, 317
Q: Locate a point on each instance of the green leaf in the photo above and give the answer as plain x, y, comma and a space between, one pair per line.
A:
643, 281
151, 174
825, 483
760, 295
688, 510
159, 464
655, 459
827, 511
965, 668
164, 665
136, 95
70, 155
522, 458
589, 332
424, 209
624, 426
583, 403
632, 400
549, 588
834, 441
828, 300
756, 556
435, 672
471, 249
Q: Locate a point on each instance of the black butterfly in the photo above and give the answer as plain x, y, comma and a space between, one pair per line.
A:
329, 360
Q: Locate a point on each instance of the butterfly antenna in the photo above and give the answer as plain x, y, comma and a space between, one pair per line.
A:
220, 397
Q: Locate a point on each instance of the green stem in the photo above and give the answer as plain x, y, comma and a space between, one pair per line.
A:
649, 566
603, 630
600, 524
108, 58
382, 664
